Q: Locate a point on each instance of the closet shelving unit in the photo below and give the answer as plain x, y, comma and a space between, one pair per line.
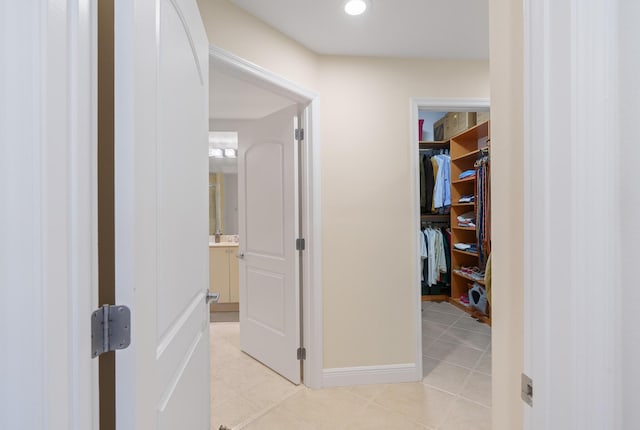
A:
464, 153
435, 218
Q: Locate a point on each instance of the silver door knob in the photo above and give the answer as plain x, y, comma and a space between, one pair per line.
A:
240, 255
212, 297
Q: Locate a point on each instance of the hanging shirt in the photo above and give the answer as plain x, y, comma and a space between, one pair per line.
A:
423, 183
435, 165
423, 251
431, 251
441, 261
442, 190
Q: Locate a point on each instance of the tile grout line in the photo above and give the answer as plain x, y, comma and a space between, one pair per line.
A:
471, 370
268, 409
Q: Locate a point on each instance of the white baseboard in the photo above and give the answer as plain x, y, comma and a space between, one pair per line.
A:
363, 375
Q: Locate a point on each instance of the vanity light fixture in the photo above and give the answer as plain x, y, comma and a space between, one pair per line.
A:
230, 153
355, 7
216, 153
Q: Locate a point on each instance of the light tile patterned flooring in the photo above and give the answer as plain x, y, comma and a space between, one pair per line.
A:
455, 393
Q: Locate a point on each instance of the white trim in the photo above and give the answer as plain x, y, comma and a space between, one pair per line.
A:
437, 105
48, 259
312, 229
260, 76
366, 375
312, 301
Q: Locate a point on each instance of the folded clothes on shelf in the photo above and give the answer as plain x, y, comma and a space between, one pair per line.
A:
467, 174
467, 219
467, 199
469, 247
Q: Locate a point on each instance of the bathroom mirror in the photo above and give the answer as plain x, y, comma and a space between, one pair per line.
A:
223, 182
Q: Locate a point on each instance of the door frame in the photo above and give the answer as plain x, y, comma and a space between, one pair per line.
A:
435, 105
310, 203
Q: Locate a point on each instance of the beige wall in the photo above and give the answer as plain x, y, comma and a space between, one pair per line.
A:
507, 144
367, 204
232, 29
368, 273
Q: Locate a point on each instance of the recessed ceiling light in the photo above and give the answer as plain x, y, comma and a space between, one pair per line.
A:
355, 7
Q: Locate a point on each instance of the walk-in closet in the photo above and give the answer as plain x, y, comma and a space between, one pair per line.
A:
455, 210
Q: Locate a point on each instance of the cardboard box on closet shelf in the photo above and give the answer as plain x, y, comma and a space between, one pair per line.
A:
438, 130
482, 117
457, 122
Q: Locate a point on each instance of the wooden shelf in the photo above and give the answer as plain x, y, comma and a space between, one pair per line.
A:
473, 254
467, 277
461, 181
480, 129
471, 311
433, 142
464, 152
435, 298
471, 154
435, 217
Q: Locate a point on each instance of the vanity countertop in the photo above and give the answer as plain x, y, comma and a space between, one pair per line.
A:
222, 244
225, 240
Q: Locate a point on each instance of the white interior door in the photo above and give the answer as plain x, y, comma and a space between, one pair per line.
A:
267, 202
161, 216
48, 273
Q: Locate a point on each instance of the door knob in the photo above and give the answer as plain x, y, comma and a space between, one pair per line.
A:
212, 297
240, 255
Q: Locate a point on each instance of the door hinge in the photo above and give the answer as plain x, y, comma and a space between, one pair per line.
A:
299, 134
527, 390
110, 329
300, 244
301, 354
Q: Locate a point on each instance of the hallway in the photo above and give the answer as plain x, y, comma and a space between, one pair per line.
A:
455, 393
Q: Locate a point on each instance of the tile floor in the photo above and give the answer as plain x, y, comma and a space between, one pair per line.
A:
455, 393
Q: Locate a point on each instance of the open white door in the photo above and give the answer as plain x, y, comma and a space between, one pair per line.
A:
268, 214
161, 225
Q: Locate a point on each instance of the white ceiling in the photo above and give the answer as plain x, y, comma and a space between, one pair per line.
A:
232, 98
452, 29
446, 29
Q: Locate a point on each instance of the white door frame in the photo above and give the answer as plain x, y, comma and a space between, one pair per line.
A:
573, 290
311, 199
435, 105
48, 251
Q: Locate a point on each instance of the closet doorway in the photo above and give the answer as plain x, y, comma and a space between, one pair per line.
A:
251, 260
450, 159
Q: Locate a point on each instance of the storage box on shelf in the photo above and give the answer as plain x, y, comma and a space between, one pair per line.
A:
464, 153
482, 117
457, 122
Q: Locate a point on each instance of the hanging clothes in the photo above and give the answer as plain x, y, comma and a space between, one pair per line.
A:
435, 182
435, 266
423, 183
423, 251
442, 189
